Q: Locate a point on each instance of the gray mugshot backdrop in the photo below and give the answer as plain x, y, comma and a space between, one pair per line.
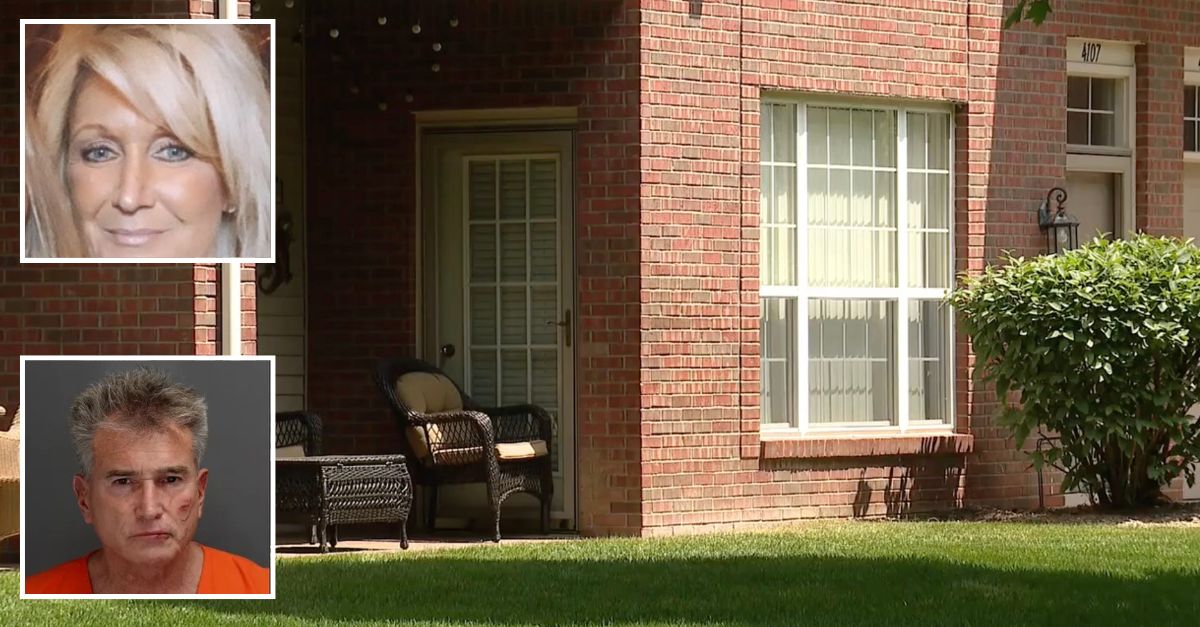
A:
237, 507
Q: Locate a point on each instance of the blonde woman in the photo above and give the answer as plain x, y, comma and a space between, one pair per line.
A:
149, 140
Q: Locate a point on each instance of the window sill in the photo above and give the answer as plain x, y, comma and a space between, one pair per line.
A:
822, 446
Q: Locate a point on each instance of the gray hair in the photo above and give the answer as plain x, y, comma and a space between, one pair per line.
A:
139, 400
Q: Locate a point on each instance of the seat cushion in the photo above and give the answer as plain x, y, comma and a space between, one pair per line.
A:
290, 452
428, 393
511, 451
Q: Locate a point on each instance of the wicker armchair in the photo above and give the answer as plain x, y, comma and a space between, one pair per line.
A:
10, 478
449, 438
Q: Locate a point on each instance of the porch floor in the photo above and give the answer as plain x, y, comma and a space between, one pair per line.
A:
419, 542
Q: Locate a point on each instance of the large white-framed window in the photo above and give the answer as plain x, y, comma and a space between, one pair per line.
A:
856, 258
1191, 104
1100, 136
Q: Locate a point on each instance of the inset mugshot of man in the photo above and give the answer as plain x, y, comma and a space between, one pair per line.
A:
148, 140
139, 439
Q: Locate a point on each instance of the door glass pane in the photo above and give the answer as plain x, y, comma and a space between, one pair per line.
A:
778, 359
483, 252
483, 315
482, 194
543, 188
852, 361
483, 376
543, 260
513, 281
512, 252
512, 189
545, 310
929, 361
513, 318
514, 376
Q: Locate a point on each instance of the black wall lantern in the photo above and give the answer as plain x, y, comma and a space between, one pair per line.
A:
1062, 229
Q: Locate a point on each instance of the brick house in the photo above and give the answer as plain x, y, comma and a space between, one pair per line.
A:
597, 204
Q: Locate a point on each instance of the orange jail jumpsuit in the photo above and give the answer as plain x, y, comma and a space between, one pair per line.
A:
222, 573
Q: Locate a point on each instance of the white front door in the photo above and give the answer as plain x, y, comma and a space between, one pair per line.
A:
499, 278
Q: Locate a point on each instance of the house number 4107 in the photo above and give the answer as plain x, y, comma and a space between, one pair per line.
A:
1091, 51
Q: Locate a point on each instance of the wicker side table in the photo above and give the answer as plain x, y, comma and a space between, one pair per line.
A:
329, 490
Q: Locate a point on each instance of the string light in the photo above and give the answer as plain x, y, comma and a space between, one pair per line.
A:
355, 87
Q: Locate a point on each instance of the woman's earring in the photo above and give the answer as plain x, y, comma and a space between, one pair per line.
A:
230, 210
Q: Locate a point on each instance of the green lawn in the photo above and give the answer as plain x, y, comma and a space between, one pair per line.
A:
876, 574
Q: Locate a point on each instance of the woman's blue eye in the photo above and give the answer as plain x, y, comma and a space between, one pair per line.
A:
98, 154
174, 152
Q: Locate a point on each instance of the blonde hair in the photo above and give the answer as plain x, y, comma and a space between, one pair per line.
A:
203, 82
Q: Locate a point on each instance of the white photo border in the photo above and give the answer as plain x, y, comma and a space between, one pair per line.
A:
273, 88
150, 359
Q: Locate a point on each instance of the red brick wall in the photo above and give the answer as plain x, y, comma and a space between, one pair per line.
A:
362, 277
88, 309
1024, 155
704, 66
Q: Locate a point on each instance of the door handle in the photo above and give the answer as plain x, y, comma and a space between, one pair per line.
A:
447, 350
565, 324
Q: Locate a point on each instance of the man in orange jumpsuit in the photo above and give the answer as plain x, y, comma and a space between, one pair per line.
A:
139, 438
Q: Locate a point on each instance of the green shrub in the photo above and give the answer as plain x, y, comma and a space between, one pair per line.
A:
1103, 345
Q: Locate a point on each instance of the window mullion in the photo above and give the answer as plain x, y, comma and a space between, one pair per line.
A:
800, 398
902, 269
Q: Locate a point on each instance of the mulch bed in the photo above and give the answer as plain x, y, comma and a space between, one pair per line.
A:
1171, 515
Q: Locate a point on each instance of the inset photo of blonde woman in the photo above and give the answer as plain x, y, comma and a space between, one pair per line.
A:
147, 140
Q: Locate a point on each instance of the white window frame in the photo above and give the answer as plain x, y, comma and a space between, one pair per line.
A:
801, 293
1116, 62
1191, 78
